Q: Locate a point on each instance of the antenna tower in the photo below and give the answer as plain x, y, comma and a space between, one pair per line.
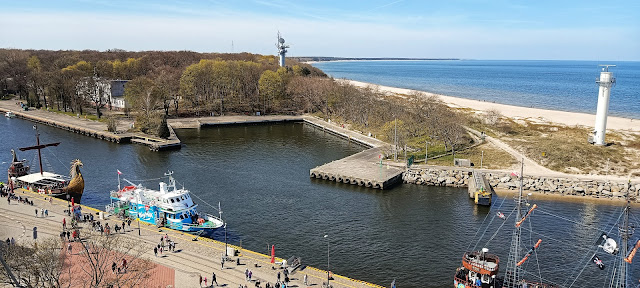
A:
282, 49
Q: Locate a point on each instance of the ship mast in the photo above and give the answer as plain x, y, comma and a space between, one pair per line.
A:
512, 277
38, 147
625, 233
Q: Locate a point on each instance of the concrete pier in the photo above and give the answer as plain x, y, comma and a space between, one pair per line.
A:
362, 169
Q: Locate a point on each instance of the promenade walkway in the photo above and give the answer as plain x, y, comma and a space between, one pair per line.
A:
191, 259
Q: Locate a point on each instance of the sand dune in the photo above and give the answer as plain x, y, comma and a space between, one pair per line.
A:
517, 112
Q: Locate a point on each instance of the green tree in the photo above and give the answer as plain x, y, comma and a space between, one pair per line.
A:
144, 97
36, 81
273, 89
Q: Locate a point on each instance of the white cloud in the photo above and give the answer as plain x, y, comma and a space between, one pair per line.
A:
256, 34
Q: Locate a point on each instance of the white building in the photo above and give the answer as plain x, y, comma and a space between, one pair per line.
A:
111, 92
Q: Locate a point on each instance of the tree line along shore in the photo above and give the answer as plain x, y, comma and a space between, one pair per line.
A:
163, 85
173, 84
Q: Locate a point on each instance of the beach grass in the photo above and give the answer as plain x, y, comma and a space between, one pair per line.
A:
566, 149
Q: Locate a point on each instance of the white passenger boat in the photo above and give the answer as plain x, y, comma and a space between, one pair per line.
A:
168, 207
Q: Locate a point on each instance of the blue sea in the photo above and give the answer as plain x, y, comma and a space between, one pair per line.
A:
555, 85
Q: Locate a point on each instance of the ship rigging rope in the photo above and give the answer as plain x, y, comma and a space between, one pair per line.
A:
535, 251
497, 230
205, 202
573, 221
147, 180
488, 225
544, 279
586, 259
54, 155
583, 267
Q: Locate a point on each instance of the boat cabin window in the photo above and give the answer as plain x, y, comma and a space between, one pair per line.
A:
178, 199
181, 216
172, 201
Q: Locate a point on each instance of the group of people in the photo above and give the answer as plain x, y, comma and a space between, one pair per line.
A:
11, 241
213, 280
164, 241
121, 269
6, 192
43, 212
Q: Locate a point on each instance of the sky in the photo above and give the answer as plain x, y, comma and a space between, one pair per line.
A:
465, 29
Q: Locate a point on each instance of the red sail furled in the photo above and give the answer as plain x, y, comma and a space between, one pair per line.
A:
530, 251
629, 257
526, 215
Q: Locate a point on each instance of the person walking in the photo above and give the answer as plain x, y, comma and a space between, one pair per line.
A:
221, 263
305, 280
41, 212
113, 267
69, 248
200, 280
278, 276
246, 274
123, 227
36, 212
213, 279
64, 223
46, 212
250, 274
205, 282
155, 251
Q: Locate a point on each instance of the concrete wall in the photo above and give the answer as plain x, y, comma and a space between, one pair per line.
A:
459, 177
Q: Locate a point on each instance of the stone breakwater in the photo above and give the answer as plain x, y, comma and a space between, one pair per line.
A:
459, 177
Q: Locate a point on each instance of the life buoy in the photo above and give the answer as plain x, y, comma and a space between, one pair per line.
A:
200, 221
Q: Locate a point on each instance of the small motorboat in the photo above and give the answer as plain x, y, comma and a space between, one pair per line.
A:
10, 114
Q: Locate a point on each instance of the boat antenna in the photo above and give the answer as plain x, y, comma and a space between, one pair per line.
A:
220, 211
172, 182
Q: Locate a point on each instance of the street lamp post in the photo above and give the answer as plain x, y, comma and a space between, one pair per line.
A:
225, 240
328, 276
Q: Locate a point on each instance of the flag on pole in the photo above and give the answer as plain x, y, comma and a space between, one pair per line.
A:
119, 173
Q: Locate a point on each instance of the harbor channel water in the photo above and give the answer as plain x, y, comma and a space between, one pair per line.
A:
260, 175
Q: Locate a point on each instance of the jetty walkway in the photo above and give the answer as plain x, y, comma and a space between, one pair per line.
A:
91, 128
183, 267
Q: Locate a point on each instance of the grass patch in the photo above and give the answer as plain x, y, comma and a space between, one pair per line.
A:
72, 114
494, 157
565, 149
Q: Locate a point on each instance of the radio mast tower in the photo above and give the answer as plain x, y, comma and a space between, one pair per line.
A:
282, 49
605, 81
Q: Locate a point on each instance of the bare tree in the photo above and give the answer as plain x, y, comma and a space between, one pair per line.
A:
92, 266
37, 266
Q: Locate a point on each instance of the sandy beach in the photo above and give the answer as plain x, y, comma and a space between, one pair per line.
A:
517, 112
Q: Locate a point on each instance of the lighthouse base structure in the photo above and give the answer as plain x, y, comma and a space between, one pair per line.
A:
605, 81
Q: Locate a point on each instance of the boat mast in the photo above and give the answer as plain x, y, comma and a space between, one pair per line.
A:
38, 144
512, 277
38, 147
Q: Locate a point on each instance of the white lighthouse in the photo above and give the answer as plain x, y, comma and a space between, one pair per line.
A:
605, 82
282, 49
